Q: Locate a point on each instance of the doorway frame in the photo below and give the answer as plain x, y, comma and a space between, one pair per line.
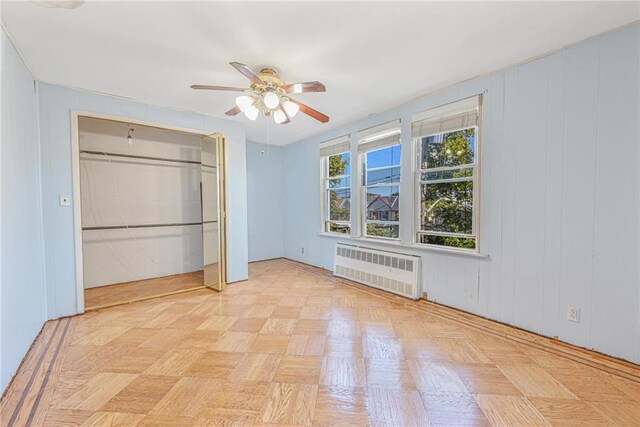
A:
76, 196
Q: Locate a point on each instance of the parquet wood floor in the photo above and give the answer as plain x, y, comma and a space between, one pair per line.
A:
293, 347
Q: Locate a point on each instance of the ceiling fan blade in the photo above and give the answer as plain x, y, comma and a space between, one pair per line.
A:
310, 111
227, 88
235, 110
247, 72
304, 87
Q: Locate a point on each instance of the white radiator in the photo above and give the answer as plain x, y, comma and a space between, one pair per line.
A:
389, 271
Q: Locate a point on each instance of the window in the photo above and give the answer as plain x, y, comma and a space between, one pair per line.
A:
336, 186
447, 184
445, 173
379, 149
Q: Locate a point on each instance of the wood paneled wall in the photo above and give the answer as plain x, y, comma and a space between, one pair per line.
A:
559, 197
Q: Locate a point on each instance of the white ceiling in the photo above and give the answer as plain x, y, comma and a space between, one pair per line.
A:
370, 55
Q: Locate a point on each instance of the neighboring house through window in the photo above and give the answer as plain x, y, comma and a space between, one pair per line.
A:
379, 150
447, 168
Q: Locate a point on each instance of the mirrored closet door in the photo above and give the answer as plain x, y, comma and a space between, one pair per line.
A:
212, 215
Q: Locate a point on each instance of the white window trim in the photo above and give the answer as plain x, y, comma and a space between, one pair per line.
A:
356, 235
416, 247
476, 194
473, 179
324, 194
362, 161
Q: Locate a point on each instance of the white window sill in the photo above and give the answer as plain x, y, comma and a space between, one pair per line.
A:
412, 246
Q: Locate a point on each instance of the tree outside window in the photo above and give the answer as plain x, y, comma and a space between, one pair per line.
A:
447, 169
338, 194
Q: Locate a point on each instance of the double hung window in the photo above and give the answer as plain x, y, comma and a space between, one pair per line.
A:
445, 174
379, 150
447, 141
336, 185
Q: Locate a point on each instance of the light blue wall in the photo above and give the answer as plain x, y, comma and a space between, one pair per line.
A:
56, 105
22, 303
560, 190
38, 265
265, 201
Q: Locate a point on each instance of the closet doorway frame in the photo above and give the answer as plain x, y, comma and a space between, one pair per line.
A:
76, 196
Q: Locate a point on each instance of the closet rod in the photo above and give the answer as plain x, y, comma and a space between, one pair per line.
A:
132, 156
117, 227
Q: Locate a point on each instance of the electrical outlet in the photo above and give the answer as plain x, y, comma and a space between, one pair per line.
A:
302, 250
573, 314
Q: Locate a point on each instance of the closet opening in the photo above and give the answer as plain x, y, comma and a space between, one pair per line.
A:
149, 211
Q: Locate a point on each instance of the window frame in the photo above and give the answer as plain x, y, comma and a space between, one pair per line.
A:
325, 194
363, 194
410, 152
476, 167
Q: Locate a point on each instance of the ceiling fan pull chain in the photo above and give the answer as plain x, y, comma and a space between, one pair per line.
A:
268, 137
264, 141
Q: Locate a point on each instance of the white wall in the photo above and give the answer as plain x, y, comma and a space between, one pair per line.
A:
56, 105
559, 198
119, 191
22, 297
264, 187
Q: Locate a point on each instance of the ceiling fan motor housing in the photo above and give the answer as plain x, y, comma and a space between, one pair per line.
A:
270, 76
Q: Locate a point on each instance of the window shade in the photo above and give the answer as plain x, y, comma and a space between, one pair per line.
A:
375, 138
450, 117
334, 146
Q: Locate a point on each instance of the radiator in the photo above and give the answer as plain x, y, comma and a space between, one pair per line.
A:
389, 271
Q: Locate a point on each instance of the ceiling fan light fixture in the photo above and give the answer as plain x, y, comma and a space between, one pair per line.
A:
252, 112
291, 108
271, 100
279, 117
267, 94
244, 102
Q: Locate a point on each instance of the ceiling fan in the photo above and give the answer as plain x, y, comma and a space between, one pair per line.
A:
269, 94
